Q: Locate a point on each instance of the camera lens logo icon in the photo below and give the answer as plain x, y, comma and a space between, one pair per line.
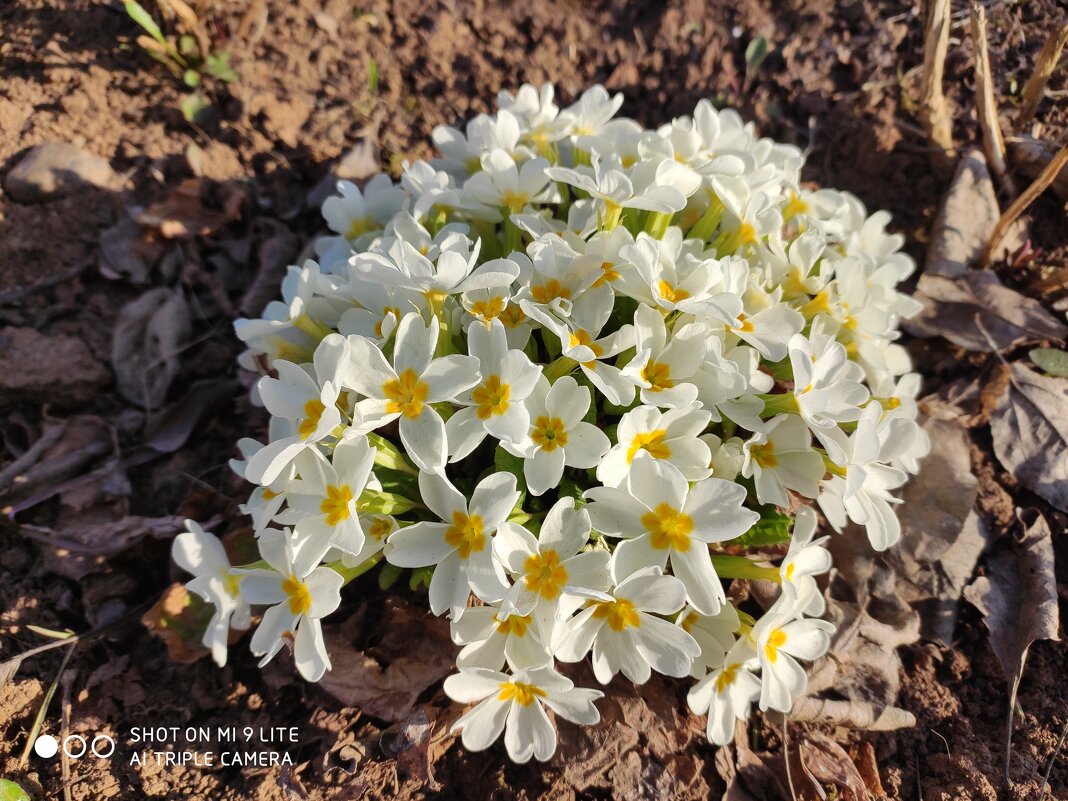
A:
75, 746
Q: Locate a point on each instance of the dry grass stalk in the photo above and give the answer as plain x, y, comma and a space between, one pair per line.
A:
1035, 87
1030, 156
1040, 184
934, 110
986, 105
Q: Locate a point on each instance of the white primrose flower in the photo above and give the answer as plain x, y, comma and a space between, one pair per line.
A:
461, 547
299, 594
805, 559
501, 184
552, 571
782, 638
625, 634
727, 693
407, 389
492, 637
671, 436
307, 399
716, 634
780, 457
494, 406
558, 436
515, 704
662, 520
201, 553
352, 213
664, 365
322, 502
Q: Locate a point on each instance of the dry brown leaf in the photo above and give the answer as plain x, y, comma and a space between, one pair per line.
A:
145, 345
965, 220
1030, 433
942, 537
182, 215
820, 767
179, 619
127, 251
1018, 599
1030, 156
169, 430
387, 687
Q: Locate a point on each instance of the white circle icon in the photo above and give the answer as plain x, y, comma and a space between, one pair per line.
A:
46, 746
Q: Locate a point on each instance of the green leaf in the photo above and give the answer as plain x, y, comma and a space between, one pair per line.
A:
372, 75
1051, 360
193, 106
144, 19
772, 528
187, 45
217, 65
9, 791
191, 78
505, 462
388, 576
755, 54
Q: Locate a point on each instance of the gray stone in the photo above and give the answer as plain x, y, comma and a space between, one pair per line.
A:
54, 170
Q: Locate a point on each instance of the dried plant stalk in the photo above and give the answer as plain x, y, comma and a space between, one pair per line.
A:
1030, 156
986, 105
1044, 66
934, 110
1040, 184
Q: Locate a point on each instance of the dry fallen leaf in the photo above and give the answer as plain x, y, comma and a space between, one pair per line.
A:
145, 345
179, 619
965, 220
1018, 599
182, 215
942, 536
169, 430
387, 688
1030, 432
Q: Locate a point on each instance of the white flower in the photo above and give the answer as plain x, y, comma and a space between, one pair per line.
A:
552, 571
726, 693
492, 637
780, 457
300, 594
407, 388
671, 436
805, 559
661, 519
308, 403
781, 639
201, 553
558, 436
461, 547
495, 406
715, 634
625, 634
503, 185
663, 365
607, 181
515, 705
322, 502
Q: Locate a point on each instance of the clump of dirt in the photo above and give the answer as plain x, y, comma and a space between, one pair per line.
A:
841, 82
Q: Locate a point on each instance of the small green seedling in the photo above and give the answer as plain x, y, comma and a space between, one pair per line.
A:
9, 791
1051, 361
189, 56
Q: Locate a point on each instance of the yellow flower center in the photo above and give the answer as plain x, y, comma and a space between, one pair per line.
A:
582, 337
619, 614
688, 621
336, 504
386, 311
794, 207
609, 273
522, 694
652, 442
514, 624
550, 291
380, 528
491, 398
406, 394
488, 309
360, 226
790, 571
820, 304
232, 584
299, 597
549, 433
764, 454
775, 641
747, 234
544, 574
515, 201
727, 677
313, 410
672, 294
466, 534
743, 325
659, 375
512, 316
669, 528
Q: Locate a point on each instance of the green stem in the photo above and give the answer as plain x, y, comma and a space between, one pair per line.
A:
349, 574
743, 568
657, 223
559, 368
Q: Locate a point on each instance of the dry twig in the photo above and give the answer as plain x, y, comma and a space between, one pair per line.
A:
1037, 187
934, 110
986, 105
1035, 87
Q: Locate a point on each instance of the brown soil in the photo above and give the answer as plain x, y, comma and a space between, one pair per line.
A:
841, 81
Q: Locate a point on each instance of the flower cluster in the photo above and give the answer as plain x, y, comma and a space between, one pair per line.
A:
584, 373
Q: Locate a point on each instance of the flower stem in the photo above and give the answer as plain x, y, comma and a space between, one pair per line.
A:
741, 567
